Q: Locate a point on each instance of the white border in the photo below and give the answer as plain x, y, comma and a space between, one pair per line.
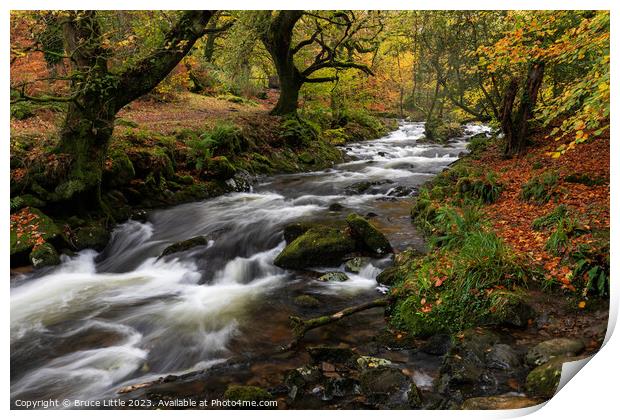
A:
593, 393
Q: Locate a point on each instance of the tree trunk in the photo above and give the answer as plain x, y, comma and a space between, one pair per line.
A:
277, 41
517, 129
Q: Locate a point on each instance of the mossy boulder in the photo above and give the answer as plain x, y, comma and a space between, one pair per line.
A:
29, 226
543, 381
184, 245
92, 236
151, 159
247, 393
218, 167
293, 231
334, 276
319, 246
306, 158
355, 265
44, 255
547, 350
390, 276
368, 235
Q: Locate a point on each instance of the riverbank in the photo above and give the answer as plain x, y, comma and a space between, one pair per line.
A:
162, 154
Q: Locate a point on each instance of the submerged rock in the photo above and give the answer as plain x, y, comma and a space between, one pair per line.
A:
545, 351
184, 245
355, 265
401, 191
307, 301
500, 402
364, 186
368, 235
319, 246
335, 207
334, 276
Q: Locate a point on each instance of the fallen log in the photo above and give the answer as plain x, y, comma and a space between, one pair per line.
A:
301, 327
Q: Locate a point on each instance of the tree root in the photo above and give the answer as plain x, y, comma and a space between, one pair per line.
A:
301, 327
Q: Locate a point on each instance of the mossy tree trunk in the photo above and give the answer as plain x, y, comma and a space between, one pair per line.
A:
98, 94
515, 126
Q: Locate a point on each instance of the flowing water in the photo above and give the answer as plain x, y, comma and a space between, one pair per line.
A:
97, 322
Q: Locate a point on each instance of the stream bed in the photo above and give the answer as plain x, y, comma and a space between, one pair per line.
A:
102, 321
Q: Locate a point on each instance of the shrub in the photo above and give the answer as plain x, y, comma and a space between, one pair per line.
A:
478, 144
551, 219
297, 131
223, 139
452, 227
559, 240
592, 266
540, 189
485, 190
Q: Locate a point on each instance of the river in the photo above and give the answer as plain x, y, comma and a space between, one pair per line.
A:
98, 322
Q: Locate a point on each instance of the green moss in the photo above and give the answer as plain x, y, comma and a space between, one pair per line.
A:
433, 299
120, 171
335, 136
298, 132
307, 301
319, 246
306, 158
25, 241
44, 255
246, 393
92, 236
219, 167
543, 381
370, 236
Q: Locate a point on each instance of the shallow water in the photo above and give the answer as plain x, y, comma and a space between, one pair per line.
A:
99, 321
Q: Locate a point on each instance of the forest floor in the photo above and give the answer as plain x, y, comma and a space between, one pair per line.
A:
184, 110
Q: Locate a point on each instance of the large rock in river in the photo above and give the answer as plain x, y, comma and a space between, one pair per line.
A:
368, 235
318, 246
